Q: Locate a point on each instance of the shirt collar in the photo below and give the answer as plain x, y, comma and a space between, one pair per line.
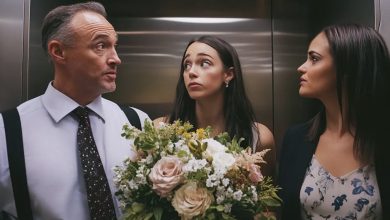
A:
58, 105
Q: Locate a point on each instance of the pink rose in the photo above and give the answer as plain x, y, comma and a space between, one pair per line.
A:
166, 174
255, 174
191, 200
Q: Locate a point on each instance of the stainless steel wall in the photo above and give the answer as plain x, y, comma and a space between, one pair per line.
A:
12, 16
40, 71
290, 38
295, 23
271, 37
151, 51
152, 38
382, 19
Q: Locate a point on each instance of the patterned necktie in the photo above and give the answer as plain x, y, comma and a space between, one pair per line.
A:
98, 191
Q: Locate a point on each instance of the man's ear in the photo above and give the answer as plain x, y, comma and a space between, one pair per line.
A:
56, 51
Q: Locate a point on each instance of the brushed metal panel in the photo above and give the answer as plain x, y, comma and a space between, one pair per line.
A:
40, 71
151, 51
329, 12
151, 47
271, 45
382, 15
290, 40
295, 24
11, 53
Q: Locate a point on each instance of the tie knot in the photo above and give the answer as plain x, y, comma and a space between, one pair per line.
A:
81, 112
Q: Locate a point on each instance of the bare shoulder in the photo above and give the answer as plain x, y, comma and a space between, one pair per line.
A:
267, 142
266, 136
158, 120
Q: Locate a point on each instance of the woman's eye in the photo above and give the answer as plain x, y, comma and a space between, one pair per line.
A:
186, 66
205, 63
313, 59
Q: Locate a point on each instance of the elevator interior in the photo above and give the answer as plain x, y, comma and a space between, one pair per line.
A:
271, 38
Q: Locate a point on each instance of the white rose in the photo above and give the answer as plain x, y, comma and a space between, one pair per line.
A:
223, 161
213, 147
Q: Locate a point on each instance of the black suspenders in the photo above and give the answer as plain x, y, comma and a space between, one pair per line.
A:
132, 116
17, 167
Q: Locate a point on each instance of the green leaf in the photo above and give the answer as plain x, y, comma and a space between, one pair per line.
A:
157, 212
182, 154
137, 207
220, 208
271, 202
211, 216
227, 217
148, 216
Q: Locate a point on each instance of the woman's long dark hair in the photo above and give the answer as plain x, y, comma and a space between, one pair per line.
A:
362, 66
238, 112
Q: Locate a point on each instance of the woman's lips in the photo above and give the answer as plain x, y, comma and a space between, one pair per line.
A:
194, 85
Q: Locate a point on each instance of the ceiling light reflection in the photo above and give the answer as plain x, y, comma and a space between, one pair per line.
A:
202, 20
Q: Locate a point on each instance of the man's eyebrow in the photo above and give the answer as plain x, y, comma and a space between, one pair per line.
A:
103, 36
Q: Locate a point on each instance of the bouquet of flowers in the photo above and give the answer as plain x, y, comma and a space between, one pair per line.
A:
185, 174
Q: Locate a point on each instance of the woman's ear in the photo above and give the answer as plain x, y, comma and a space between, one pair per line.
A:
55, 50
229, 74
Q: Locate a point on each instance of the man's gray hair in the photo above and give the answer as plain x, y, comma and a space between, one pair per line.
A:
56, 23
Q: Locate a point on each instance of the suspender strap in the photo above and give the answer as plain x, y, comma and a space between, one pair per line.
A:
132, 115
17, 167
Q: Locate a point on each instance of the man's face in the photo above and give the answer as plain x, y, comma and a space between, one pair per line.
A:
91, 60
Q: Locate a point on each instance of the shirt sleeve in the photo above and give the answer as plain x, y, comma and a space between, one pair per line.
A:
6, 193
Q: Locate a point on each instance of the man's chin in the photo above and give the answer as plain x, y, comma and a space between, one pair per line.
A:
109, 88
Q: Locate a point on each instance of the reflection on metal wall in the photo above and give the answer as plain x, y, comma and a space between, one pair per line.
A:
151, 45
11, 53
294, 25
151, 51
382, 19
40, 71
290, 37
324, 13
271, 45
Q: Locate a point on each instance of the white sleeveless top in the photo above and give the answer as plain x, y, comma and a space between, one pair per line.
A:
352, 196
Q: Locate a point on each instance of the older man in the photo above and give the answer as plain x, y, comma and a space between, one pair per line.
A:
71, 135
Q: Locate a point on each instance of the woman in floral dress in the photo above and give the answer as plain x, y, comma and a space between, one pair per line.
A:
333, 167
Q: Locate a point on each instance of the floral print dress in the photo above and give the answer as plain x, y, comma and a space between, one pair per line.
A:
351, 196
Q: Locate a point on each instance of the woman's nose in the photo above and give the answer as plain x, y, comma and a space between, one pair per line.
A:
192, 72
302, 69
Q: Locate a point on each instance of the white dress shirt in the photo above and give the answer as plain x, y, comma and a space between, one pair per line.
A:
54, 176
